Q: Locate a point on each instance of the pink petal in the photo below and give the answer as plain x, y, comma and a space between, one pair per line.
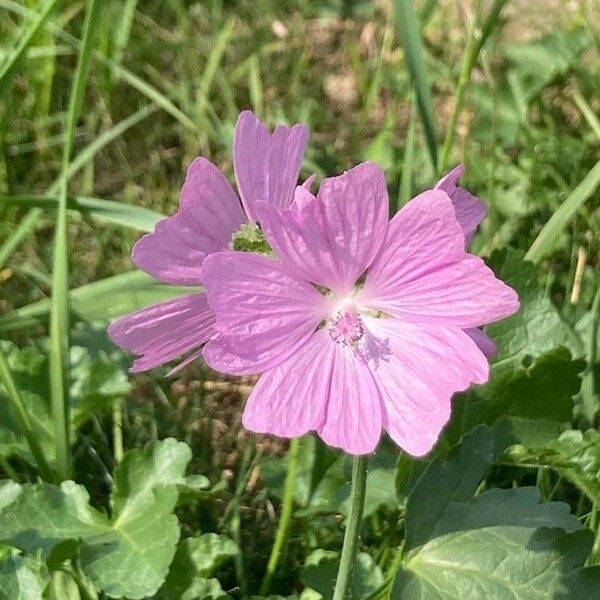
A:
161, 332
353, 417
309, 181
424, 273
484, 342
303, 197
290, 400
263, 313
422, 367
332, 240
209, 214
324, 387
469, 209
267, 165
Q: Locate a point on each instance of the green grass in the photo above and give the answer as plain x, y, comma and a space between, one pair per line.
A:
101, 112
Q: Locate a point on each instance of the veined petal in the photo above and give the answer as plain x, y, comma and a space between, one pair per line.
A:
484, 342
209, 214
419, 369
290, 400
331, 240
353, 417
164, 331
469, 209
423, 272
267, 165
324, 387
263, 313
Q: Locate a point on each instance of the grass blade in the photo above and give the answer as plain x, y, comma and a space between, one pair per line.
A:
468, 62
20, 411
123, 30
406, 175
550, 233
120, 72
59, 309
588, 113
84, 157
215, 56
475, 43
407, 25
107, 211
7, 69
101, 300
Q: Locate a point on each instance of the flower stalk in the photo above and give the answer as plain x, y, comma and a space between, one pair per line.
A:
349, 549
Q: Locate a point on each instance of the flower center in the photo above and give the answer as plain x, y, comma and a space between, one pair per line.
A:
345, 326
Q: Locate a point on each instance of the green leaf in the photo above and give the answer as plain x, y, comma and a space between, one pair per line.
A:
18, 580
196, 560
527, 405
95, 383
502, 544
574, 455
202, 589
504, 563
332, 492
447, 479
381, 481
273, 470
29, 370
537, 328
519, 507
126, 555
320, 571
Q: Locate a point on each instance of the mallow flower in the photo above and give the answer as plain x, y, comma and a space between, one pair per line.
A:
357, 325
266, 168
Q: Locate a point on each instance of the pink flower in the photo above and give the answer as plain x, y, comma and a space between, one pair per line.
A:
266, 168
470, 211
358, 326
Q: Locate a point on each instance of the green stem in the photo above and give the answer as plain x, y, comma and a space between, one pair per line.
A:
59, 308
588, 383
118, 430
594, 556
357, 503
285, 520
468, 62
20, 411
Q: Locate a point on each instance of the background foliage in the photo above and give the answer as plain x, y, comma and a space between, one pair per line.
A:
119, 486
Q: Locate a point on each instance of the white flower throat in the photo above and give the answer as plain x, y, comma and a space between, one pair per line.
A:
345, 325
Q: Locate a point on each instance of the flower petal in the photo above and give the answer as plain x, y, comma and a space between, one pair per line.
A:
209, 214
267, 165
484, 342
164, 331
424, 273
323, 386
353, 416
263, 313
422, 367
469, 209
331, 240
290, 400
